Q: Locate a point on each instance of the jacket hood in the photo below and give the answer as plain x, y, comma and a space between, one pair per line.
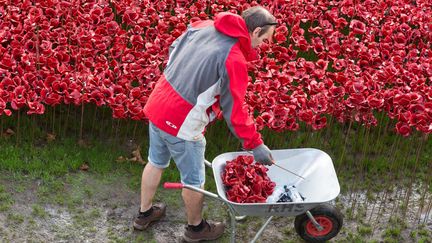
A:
234, 26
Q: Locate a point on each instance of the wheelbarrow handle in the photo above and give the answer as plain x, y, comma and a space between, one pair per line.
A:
173, 185
177, 185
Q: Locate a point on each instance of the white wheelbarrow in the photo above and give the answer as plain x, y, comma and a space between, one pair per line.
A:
316, 220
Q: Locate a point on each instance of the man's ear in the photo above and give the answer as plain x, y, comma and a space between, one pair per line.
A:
256, 31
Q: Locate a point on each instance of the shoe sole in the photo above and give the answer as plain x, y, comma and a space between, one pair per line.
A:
140, 227
187, 239
143, 227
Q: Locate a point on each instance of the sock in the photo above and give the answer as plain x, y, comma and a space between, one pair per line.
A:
198, 227
146, 213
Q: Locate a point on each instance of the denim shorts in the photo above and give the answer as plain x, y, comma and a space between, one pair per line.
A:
188, 155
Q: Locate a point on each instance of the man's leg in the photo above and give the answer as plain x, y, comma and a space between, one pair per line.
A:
149, 182
158, 160
192, 172
148, 212
199, 229
194, 203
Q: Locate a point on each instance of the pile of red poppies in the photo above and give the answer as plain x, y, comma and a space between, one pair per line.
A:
246, 181
346, 59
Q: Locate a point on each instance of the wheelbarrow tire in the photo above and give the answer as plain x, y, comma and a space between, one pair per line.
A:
327, 216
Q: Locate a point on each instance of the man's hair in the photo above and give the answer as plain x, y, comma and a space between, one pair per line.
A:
258, 17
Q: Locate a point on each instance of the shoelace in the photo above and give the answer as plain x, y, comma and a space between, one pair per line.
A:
209, 228
140, 215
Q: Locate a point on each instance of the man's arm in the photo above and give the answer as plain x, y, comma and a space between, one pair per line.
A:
233, 91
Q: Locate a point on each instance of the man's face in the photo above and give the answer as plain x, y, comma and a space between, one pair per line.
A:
258, 40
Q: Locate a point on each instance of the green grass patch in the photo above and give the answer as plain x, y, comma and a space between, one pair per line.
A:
6, 200
421, 234
364, 230
82, 218
353, 237
355, 149
15, 218
39, 211
56, 158
393, 232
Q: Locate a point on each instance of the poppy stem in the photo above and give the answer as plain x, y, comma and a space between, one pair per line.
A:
112, 127
345, 143
381, 145
60, 120
379, 128
104, 124
421, 204
134, 130
46, 119
309, 132
18, 128
117, 130
403, 166
126, 132
393, 149
413, 175
81, 122
427, 211
397, 198
33, 128
375, 202
66, 122
53, 120
329, 126
365, 147
94, 120
428, 208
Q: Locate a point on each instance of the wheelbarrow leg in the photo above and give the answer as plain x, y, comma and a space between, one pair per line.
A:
258, 234
233, 222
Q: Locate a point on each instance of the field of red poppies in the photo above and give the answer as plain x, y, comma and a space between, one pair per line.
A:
351, 77
342, 60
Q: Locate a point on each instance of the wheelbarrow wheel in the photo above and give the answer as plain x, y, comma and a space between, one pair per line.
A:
327, 216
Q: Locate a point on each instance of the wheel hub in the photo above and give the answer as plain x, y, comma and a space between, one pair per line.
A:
325, 223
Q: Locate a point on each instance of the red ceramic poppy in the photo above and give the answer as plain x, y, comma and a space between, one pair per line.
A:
246, 181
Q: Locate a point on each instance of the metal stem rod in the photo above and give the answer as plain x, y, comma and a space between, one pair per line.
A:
280, 167
250, 152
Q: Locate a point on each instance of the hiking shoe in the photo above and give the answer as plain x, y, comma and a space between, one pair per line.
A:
142, 222
211, 231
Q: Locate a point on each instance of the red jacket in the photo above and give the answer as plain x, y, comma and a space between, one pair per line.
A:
206, 67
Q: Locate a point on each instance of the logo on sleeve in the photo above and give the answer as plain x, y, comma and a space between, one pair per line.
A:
171, 124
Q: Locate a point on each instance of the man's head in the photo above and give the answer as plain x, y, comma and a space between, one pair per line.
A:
260, 23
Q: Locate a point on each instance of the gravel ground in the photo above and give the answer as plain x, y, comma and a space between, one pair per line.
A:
89, 208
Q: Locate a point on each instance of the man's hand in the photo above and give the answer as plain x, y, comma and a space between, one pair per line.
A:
262, 154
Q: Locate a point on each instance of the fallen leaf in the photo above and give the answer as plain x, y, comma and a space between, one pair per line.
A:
137, 156
8, 133
50, 137
83, 143
121, 159
84, 167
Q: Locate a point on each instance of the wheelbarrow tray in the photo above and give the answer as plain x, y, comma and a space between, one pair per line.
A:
320, 184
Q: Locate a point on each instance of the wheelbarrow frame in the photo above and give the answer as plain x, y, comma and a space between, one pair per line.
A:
245, 209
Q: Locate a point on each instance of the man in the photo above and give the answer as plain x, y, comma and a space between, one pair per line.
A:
206, 70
